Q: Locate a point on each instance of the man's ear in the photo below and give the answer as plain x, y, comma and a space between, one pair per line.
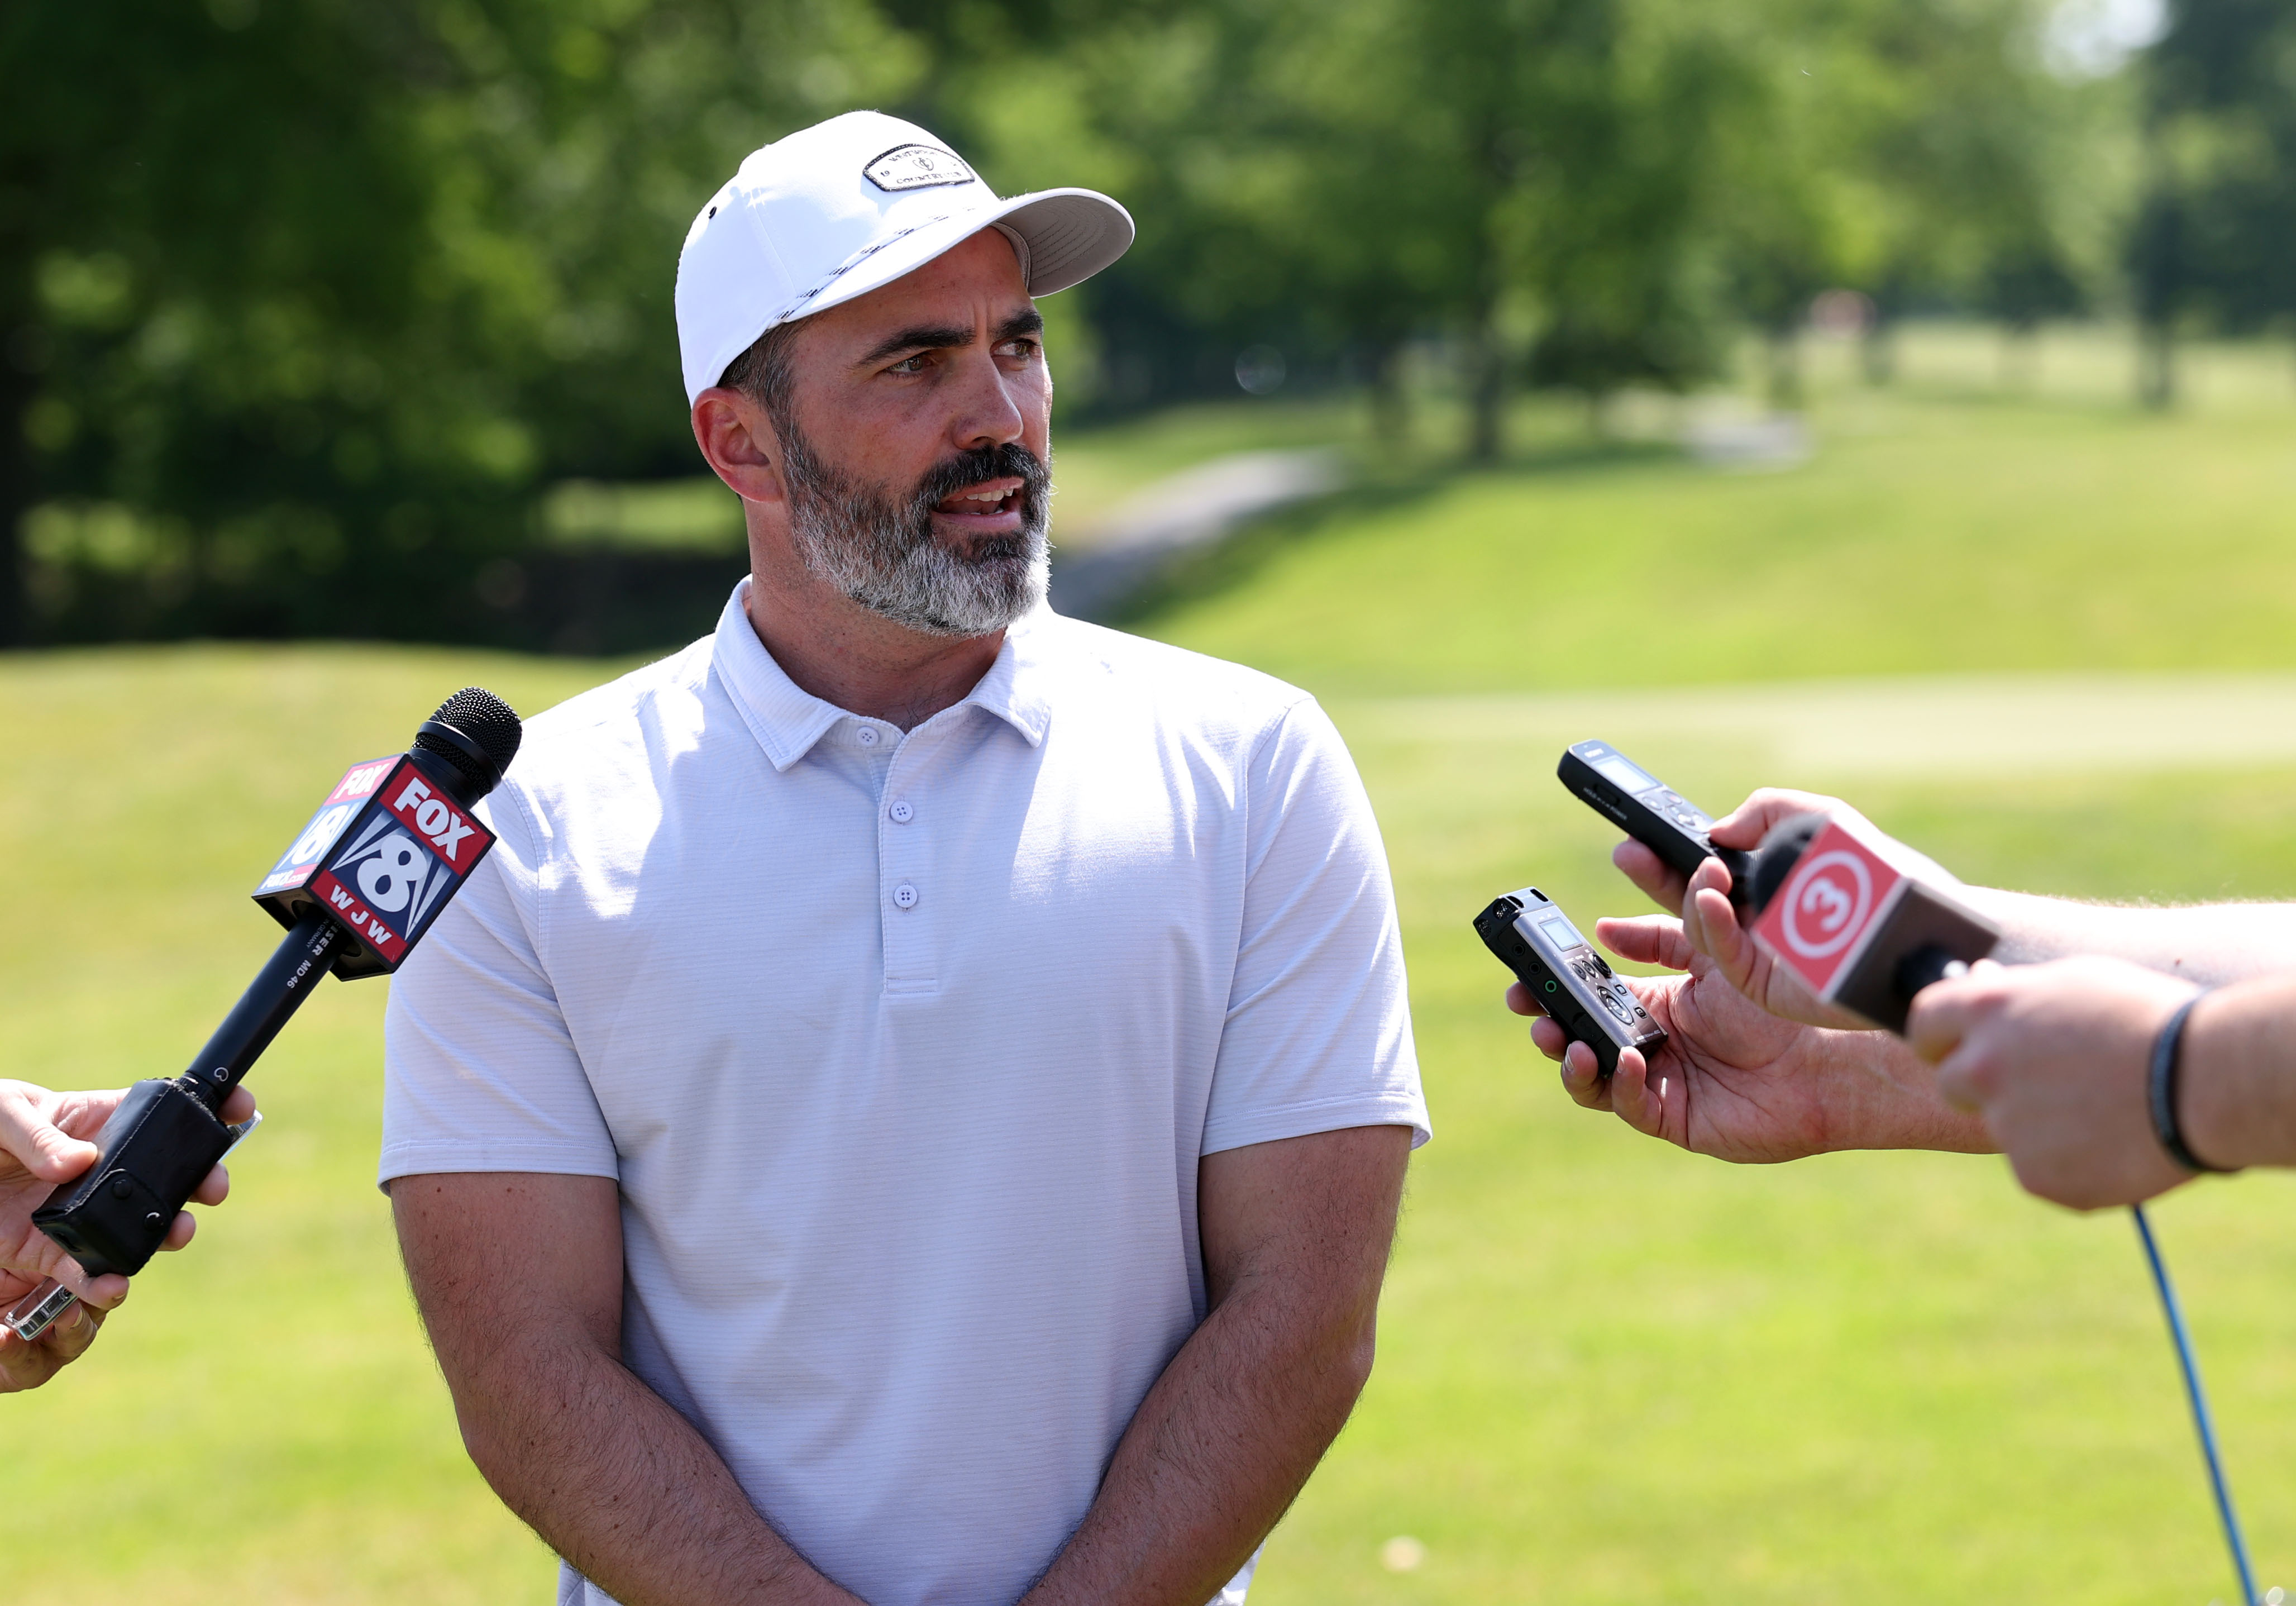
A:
738, 439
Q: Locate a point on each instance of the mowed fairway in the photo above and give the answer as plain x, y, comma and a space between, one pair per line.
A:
1934, 529
1609, 1371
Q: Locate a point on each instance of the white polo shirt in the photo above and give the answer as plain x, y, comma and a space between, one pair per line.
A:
904, 1049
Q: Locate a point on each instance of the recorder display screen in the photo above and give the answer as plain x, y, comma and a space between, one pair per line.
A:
1615, 768
1559, 932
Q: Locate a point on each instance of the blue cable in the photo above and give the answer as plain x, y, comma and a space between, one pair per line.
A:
2199, 1402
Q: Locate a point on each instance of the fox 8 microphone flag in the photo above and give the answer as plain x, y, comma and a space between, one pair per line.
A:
383, 856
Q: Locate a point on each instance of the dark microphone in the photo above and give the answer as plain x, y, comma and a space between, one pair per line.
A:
1837, 904
356, 890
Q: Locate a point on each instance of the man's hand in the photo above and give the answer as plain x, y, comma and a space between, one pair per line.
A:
44, 1140
518, 1277
1736, 1082
1295, 1240
1711, 924
2056, 1057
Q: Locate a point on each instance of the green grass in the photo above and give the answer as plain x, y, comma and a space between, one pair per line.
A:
262, 1421
1610, 1373
1941, 525
1613, 1372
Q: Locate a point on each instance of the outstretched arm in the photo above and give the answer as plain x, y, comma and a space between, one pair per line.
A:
519, 1281
2206, 944
1738, 1082
1773, 1082
1295, 1240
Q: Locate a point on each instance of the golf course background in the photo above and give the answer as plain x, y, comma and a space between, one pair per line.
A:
1609, 1371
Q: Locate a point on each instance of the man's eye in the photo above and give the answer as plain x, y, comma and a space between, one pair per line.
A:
910, 364
1022, 349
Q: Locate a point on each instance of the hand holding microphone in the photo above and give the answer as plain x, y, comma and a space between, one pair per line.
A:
369, 874
2057, 1059
2077, 1066
44, 1142
1741, 1075
1718, 915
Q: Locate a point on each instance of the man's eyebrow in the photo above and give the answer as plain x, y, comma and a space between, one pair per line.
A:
925, 336
930, 337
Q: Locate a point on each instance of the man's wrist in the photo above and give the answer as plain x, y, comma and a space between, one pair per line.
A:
2206, 1102
1885, 1096
2164, 1094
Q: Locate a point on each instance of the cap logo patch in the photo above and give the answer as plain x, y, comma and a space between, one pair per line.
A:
916, 167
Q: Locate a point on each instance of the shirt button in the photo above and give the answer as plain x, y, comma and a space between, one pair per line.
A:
902, 813
906, 896
868, 735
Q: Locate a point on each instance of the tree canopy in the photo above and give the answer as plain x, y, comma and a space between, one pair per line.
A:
304, 303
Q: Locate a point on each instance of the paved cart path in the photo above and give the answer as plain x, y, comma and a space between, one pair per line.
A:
1099, 568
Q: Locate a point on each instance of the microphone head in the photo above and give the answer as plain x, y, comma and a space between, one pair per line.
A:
477, 735
1780, 852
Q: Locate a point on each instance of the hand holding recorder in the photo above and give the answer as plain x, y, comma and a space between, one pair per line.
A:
1731, 1079
44, 1141
2037, 1050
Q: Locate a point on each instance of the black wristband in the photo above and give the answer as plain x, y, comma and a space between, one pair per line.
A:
2168, 1052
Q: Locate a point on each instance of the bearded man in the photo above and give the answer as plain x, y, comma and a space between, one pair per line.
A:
913, 1109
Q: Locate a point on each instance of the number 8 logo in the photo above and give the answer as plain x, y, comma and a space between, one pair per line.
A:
314, 841
394, 874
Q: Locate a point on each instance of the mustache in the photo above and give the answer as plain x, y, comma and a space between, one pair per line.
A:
1011, 461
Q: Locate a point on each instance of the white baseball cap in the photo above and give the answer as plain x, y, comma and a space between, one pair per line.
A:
833, 211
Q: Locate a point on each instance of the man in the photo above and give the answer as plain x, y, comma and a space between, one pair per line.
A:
915, 1107
1756, 1070
45, 1142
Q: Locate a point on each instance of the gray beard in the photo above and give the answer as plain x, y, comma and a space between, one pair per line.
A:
881, 553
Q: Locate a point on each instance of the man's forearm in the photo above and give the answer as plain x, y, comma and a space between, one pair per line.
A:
518, 1277
622, 1484
1880, 1094
1296, 1234
2237, 1075
1212, 1458
2211, 944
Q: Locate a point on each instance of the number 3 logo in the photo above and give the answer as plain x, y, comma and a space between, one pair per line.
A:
1831, 894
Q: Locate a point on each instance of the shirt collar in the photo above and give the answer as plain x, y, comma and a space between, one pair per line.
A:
787, 720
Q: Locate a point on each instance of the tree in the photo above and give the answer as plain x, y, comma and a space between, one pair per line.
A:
2216, 239
325, 292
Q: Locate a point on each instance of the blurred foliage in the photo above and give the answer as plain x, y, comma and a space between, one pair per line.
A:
325, 291
2216, 241
305, 305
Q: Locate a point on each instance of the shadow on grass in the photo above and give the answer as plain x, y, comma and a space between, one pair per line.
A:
1236, 559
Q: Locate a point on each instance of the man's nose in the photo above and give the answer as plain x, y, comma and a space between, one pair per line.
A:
989, 411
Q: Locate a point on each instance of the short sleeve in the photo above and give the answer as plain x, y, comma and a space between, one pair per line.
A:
1319, 1029
479, 1073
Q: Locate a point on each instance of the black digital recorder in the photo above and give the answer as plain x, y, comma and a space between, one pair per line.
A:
1566, 977
1650, 811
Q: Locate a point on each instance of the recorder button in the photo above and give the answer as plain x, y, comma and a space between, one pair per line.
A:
121, 1187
